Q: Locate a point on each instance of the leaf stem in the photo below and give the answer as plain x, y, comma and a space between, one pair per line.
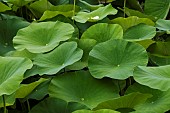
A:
124, 7
28, 104
74, 8
4, 103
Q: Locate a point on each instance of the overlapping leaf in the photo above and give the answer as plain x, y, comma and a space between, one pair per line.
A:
116, 59
83, 88
131, 21
102, 32
12, 70
95, 15
64, 55
154, 77
54, 105
42, 37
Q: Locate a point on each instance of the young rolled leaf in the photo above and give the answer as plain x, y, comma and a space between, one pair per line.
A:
12, 70
95, 15
64, 55
154, 77
42, 37
116, 59
102, 32
54, 105
83, 88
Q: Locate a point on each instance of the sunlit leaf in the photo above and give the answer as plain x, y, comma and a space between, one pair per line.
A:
116, 59
95, 15
42, 37
12, 70
64, 55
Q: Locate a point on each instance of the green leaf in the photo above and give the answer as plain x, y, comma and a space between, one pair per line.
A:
116, 59
97, 111
131, 12
42, 37
54, 105
39, 7
95, 15
163, 25
66, 10
160, 49
9, 100
126, 101
131, 21
102, 32
18, 3
156, 104
86, 6
83, 88
40, 91
12, 70
157, 8
161, 61
64, 55
154, 77
26, 89
3, 7
140, 32
24, 53
9, 27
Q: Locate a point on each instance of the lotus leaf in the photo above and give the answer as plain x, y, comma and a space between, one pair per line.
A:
154, 77
140, 32
102, 32
42, 37
157, 8
95, 15
61, 106
131, 21
12, 70
64, 55
116, 59
83, 88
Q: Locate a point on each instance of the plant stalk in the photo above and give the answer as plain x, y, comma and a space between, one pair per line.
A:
124, 8
4, 103
74, 8
28, 105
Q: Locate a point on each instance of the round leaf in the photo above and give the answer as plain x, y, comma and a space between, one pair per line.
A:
164, 25
154, 77
42, 37
116, 59
64, 55
102, 32
83, 88
12, 70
